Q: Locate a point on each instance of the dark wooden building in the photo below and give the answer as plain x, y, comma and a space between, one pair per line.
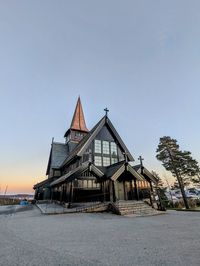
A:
93, 165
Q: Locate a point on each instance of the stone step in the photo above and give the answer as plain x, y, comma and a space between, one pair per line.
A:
138, 212
100, 207
133, 207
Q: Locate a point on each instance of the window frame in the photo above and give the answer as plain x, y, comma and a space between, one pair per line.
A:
115, 150
100, 159
104, 148
104, 159
97, 144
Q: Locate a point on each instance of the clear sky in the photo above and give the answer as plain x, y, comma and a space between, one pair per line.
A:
141, 59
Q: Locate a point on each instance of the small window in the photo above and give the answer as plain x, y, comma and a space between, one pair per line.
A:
106, 161
89, 183
114, 160
106, 149
113, 148
97, 160
97, 146
85, 183
80, 183
97, 185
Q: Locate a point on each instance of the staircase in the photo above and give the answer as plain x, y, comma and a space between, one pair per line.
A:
90, 207
132, 207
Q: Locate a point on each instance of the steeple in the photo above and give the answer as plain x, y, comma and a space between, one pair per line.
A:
78, 127
78, 121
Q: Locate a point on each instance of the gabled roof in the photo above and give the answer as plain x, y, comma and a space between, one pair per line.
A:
137, 167
75, 151
45, 182
85, 142
113, 168
78, 121
58, 154
76, 172
115, 171
145, 172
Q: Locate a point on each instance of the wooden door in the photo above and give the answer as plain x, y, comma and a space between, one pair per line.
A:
119, 190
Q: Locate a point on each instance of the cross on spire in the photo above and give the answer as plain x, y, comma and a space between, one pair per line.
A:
106, 110
141, 159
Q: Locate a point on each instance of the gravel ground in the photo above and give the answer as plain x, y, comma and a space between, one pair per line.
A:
30, 238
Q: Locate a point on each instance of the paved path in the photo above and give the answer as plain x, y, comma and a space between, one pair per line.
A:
30, 238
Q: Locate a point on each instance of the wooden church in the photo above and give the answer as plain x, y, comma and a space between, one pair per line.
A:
93, 165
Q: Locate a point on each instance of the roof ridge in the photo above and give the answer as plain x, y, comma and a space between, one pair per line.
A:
74, 152
79, 149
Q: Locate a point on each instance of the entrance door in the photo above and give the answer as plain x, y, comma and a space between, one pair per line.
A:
130, 195
119, 190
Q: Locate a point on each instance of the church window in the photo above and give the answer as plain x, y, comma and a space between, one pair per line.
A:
114, 160
106, 161
113, 148
106, 149
97, 160
97, 146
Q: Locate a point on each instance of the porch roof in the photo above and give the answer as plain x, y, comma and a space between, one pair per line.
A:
145, 172
76, 172
126, 167
42, 183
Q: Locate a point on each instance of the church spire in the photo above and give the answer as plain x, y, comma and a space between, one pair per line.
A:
78, 121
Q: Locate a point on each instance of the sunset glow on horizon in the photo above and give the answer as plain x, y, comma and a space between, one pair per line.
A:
141, 61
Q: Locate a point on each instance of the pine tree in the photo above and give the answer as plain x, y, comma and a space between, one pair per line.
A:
179, 163
196, 179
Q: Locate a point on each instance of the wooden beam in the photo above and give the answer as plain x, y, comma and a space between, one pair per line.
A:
111, 191
136, 189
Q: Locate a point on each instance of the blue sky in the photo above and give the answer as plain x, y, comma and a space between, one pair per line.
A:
141, 59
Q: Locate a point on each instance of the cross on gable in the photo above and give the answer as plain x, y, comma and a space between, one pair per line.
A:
106, 110
141, 159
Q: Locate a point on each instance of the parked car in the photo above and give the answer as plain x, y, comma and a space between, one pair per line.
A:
171, 197
191, 195
24, 202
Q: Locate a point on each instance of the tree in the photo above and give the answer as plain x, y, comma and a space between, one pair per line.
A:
179, 163
160, 189
160, 183
196, 179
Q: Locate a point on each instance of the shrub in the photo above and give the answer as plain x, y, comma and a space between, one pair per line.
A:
198, 202
192, 203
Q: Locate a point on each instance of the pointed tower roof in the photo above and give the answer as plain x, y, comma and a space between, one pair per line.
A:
78, 121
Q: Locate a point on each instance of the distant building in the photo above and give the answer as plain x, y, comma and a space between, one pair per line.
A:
93, 166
